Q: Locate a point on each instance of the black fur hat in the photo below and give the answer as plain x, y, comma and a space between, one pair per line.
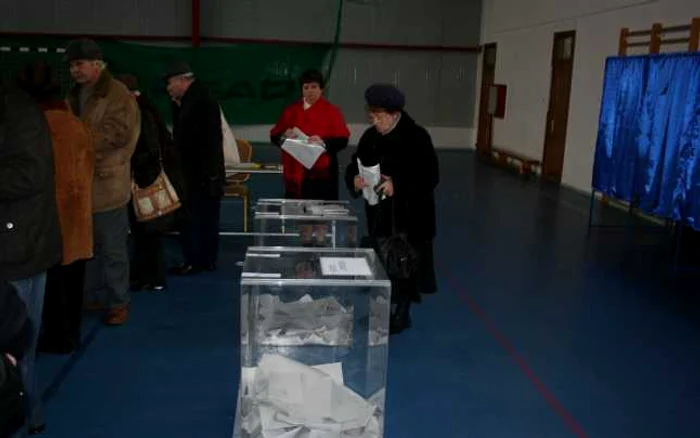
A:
385, 96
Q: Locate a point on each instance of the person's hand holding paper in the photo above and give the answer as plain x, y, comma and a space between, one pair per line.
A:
359, 182
315, 139
386, 187
370, 177
306, 150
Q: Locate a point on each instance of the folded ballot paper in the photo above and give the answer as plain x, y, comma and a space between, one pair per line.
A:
327, 210
323, 321
314, 209
372, 176
302, 150
283, 398
307, 321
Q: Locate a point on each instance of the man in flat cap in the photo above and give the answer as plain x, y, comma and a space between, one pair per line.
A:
112, 115
198, 136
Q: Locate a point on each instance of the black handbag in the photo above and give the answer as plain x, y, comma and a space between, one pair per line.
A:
396, 254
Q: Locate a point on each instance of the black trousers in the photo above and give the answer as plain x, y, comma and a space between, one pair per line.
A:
422, 282
427, 282
404, 291
63, 304
148, 259
199, 230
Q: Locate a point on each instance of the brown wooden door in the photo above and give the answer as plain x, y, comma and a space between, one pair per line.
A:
558, 113
488, 76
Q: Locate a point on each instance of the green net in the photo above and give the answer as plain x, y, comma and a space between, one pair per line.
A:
253, 82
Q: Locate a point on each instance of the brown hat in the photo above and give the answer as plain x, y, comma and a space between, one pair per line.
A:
83, 48
177, 69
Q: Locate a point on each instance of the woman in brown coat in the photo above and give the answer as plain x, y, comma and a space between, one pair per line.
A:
74, 160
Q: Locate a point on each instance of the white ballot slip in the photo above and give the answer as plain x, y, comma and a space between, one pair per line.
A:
300, 135
304, 152
372, 176
287, 399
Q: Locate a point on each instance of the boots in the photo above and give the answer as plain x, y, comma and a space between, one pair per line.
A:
400, 317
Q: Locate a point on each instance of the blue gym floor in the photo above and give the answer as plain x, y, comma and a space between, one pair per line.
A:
538, 331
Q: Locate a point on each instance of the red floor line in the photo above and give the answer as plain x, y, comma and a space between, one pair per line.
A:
500, 338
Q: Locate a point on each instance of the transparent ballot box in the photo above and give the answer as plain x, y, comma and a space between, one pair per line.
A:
292, 222
314, 343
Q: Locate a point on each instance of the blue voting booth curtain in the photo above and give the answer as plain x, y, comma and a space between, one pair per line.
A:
615, 164
648, 147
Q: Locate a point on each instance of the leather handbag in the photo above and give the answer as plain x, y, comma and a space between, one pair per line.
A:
157, 200
395, 252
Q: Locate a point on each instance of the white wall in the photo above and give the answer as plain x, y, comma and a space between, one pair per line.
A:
524, 33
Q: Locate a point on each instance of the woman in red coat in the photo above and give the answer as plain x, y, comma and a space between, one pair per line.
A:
324, 124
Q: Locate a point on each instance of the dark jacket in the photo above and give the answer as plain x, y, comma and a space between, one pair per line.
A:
199, 142
406, 154
15, 332
154, 150
145, 163
30, 236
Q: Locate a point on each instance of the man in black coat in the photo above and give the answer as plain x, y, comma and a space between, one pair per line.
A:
198, 137
30, 237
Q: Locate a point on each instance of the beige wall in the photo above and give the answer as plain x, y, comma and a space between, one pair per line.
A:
524, 32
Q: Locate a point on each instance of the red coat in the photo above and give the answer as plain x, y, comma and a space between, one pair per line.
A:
324, 120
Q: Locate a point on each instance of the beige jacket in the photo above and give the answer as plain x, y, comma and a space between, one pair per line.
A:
112, 115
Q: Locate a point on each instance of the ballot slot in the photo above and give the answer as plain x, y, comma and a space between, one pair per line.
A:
305, 223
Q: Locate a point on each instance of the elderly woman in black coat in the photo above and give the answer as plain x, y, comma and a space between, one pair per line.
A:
409, 174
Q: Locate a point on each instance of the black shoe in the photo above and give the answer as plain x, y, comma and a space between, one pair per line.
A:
401, 319
154, 287
184, 270
396, 327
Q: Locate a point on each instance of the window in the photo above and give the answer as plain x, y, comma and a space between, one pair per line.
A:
565, 48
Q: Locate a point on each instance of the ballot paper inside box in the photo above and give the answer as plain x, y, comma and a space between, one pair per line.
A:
314, 326
292, 222
285, 398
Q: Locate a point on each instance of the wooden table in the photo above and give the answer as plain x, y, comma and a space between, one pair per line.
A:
270, 168
249, 169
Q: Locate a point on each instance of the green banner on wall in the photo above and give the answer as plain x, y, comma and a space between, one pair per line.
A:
253, 82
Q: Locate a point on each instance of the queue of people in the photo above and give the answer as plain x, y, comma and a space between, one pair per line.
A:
69, 167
